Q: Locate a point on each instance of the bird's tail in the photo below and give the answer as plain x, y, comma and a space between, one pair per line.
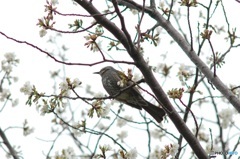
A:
156, 112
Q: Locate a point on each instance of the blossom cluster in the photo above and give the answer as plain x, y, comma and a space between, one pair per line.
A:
9, 61
164, 153
49, 105
67, 153
46, 22
226, 116
7, 78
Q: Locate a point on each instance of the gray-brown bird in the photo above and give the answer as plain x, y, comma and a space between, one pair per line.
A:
115, 81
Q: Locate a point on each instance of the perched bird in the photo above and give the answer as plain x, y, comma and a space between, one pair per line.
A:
115, 81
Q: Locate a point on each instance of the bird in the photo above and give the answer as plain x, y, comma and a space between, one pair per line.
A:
118, 85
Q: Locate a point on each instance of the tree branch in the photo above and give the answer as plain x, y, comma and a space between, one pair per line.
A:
9, 146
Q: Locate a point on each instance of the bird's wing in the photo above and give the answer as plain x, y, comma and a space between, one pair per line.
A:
136, 98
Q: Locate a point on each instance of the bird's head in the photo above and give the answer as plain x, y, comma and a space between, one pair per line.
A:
104, 69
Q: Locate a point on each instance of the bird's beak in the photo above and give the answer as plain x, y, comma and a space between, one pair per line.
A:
96, 72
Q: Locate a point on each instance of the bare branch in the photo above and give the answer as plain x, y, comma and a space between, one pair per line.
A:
9, 146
